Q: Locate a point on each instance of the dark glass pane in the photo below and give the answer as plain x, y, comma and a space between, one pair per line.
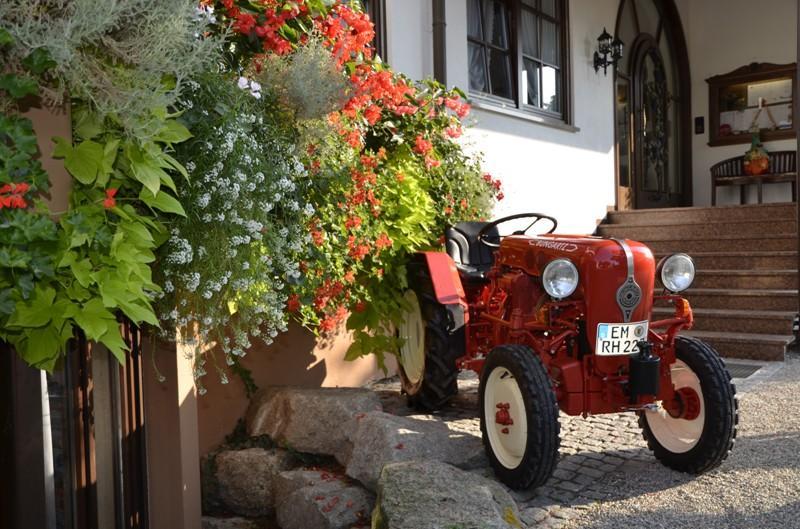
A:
530, 3
550, 44
500, 74
673, 158
478, 80
495, 19
654, 124
627, 33
669, 69
648, 16
474, 19
623, 115
532, 76
530, 34
549, 7
551, 89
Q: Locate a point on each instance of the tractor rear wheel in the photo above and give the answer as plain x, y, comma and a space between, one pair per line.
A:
702, 435
432, 343
519, 417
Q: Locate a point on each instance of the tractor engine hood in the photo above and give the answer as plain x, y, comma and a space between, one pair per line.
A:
616, 276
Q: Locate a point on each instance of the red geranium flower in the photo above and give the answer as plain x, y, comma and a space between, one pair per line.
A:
293, 303
422, 146
109, 201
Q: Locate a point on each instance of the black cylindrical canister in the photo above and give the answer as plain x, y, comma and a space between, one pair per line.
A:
643, 375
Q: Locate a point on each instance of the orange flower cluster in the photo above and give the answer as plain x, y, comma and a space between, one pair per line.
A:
13, 195
349, 33
265, 25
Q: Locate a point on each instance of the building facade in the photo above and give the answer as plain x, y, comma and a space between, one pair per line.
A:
569, 148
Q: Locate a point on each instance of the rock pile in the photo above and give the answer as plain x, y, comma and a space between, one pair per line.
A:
357, 451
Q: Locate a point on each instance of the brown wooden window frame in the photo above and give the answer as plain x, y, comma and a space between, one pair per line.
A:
518, 100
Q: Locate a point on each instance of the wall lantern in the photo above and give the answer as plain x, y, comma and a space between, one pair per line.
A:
609, 51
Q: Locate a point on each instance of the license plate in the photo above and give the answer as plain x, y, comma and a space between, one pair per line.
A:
619, 338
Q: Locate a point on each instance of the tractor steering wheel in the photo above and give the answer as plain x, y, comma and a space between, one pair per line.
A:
488, 239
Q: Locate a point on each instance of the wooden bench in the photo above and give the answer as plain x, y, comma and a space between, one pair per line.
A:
730, 172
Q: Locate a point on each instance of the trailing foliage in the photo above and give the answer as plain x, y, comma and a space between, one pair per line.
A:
28, 238
227, 265
95, 263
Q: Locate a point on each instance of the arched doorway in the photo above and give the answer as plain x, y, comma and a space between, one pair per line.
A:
651, 104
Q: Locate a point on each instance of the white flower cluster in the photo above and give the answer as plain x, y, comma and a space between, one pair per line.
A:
226, 267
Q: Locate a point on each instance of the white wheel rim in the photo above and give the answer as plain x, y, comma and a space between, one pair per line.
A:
508, 442
412, 331
679, 435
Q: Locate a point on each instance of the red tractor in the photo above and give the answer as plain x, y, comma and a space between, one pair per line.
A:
563, 322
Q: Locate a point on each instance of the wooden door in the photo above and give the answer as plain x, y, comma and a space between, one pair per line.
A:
651, 132
72, 448
651, 107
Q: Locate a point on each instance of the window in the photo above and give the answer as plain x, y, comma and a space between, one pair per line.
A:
376, 9
518, 54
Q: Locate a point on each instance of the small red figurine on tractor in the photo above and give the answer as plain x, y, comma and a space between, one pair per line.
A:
555, 322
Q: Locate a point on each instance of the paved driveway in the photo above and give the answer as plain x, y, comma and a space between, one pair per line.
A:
607, 478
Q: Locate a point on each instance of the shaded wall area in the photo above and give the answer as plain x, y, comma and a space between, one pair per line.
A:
723, 35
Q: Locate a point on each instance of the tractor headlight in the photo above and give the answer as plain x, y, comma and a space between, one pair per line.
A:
560, 278
677, 272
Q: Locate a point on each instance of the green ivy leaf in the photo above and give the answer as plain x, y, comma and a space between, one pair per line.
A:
87, 124
162, 201
148, 174
18, 86
37, 312
115, 343
173, 132
138, 313
63, 147
85, 161
38, 61
95, 319
42, 348
110, 150
82, 270
5, 38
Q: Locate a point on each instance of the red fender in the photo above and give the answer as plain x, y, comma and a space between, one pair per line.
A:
446, 281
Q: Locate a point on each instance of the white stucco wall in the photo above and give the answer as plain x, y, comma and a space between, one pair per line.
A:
723, 35
567, 174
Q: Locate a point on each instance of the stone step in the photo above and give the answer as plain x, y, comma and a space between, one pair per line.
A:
770, 347
716, 214
667, 243
683, 228
742, 260
748, 279
740, 321
742, 299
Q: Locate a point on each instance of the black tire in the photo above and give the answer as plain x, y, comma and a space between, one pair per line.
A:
721, 412
541, 410
444, 344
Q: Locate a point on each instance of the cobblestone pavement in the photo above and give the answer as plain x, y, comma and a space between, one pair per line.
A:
605, 468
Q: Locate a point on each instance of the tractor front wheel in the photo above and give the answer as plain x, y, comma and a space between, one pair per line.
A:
695, 433
519, 417
431, 345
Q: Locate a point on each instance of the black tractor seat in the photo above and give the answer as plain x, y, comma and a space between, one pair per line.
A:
473, 259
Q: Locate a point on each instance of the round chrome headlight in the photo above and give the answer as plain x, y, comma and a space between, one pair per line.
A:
560, 278
677, 272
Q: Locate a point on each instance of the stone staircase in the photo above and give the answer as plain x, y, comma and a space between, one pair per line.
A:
745, 293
